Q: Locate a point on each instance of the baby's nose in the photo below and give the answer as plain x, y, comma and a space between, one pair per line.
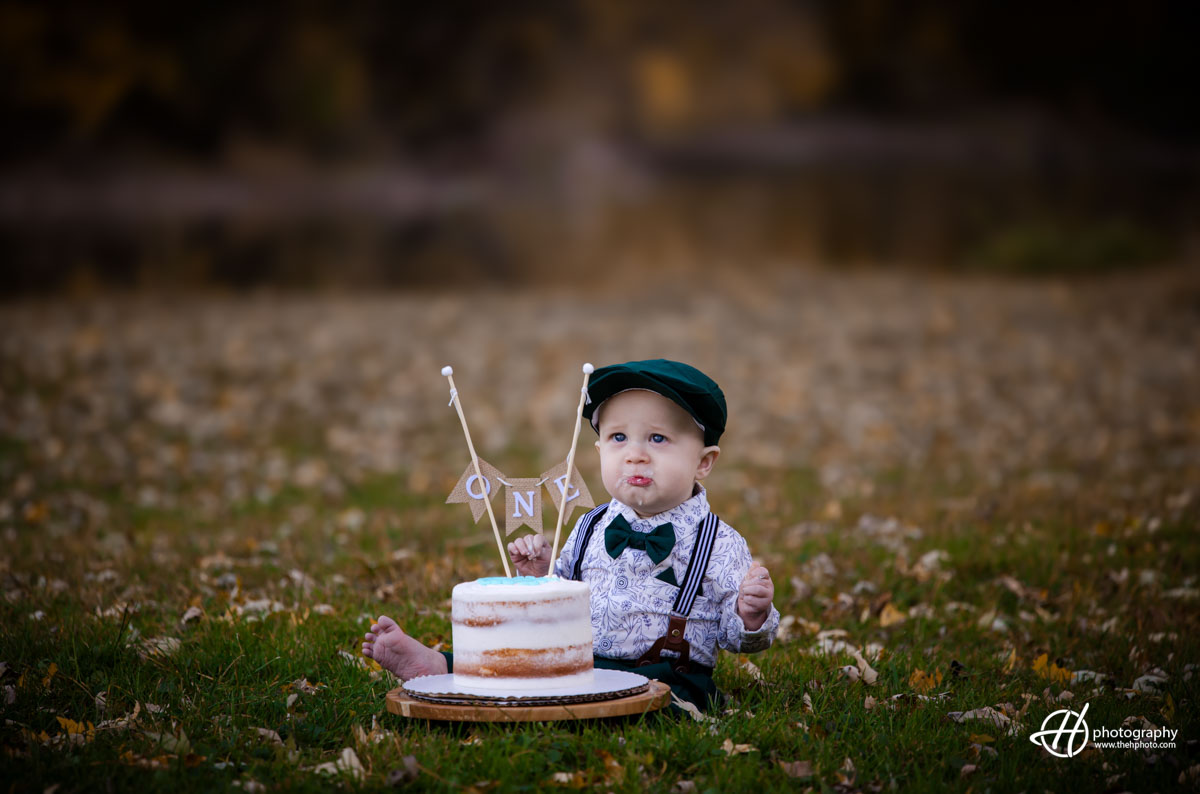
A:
635, 452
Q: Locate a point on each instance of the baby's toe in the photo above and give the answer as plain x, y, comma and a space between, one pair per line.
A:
369, 637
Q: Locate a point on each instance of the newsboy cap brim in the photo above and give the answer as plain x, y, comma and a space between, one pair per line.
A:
684, 385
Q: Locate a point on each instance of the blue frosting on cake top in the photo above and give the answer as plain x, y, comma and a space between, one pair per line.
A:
528, 581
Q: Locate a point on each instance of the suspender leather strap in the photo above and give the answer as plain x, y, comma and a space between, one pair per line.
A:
674, 640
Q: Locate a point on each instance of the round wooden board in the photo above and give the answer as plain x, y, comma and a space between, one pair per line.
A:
656, 697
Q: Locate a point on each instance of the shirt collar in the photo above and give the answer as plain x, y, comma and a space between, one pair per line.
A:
683, 517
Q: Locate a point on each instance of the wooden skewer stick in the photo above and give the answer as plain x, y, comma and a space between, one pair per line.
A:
487, 494
588, 369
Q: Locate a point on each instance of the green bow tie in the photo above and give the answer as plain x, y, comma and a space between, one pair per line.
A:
657, 543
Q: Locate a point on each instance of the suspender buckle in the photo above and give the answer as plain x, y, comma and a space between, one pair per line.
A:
674, 642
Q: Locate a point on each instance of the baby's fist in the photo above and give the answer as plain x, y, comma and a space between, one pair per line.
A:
754, 597
530, 554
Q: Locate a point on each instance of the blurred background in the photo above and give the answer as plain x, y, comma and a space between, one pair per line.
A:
382, 144
241, 241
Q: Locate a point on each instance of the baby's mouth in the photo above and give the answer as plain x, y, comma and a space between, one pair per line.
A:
638, 481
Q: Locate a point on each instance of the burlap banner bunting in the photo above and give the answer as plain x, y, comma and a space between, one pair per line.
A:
523, 495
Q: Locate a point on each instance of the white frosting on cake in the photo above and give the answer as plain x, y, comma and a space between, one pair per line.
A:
522, 633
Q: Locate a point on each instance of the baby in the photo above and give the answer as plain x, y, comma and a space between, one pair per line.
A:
666, 575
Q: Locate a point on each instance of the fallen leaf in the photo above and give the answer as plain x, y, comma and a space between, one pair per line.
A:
869, 676
1051, 671
691, 710
751, 668
1151, 682
573, 779
986, 714
409, 771
737, 749
797, 768
890, 616
177, 743
922, 681
346, 764
158, 646
272, 737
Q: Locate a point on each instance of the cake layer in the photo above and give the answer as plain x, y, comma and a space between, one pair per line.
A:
524, 634
525, 667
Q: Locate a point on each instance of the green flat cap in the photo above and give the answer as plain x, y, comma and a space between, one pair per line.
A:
686, 386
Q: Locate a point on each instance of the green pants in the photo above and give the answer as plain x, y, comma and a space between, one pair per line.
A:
696, 688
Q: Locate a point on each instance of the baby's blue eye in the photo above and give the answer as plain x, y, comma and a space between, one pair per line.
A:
618, 436
657, 438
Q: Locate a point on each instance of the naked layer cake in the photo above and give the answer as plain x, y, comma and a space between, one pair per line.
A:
524, 632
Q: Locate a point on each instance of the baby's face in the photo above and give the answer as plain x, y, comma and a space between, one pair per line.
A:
651, 451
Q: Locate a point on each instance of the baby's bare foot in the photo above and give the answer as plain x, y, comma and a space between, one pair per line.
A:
399, 653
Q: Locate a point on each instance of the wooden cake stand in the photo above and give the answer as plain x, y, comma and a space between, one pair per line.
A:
656, 697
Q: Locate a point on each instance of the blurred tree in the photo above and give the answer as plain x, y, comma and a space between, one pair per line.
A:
375, 77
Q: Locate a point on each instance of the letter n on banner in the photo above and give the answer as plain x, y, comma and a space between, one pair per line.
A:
523, 504
472, 490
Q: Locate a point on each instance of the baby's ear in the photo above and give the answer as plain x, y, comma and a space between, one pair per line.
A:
708, 459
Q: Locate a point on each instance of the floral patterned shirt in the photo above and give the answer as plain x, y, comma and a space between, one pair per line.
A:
630, 606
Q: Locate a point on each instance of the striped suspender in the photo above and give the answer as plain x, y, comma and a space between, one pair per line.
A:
697, 565
588, 526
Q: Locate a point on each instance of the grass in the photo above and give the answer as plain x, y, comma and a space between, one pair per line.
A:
261, 699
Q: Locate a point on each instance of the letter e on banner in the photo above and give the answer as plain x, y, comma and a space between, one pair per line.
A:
556, 480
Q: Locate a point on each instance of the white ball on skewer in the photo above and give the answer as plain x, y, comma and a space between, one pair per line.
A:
588, 369
447, 371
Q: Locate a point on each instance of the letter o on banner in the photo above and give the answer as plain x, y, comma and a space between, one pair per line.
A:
470, 491
479, 493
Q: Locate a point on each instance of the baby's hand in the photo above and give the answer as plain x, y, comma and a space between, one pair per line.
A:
754, 597
531, 555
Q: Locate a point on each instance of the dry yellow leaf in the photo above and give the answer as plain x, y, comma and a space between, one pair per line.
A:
922, 681
1047, 669
1010, 662
890, 616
